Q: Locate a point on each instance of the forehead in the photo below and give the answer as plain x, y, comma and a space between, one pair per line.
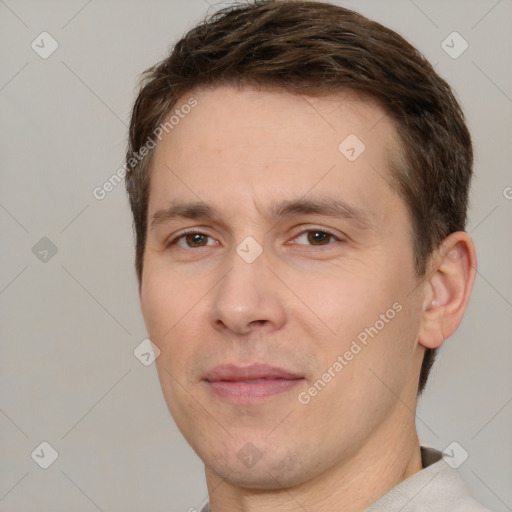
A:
250, 144
282, 115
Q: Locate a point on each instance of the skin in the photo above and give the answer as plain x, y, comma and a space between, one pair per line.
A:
300, 304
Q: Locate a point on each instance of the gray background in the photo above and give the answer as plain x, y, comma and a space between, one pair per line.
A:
71, 321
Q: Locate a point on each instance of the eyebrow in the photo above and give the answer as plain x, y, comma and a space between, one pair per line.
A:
329, 207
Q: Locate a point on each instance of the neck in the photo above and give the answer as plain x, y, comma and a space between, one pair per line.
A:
351, 485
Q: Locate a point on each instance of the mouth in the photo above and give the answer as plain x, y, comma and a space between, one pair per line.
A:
250, 384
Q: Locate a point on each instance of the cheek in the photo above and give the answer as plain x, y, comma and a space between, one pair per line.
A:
168, 307
386, 363
368, 313
165, 296
157, 305
346, 302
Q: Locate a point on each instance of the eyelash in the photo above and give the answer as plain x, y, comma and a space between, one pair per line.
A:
174, 241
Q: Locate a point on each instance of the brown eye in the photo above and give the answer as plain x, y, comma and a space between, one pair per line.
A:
318, 237
196, 239
315, 237
192, 240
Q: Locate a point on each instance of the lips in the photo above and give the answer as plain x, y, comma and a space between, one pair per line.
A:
235, 373
250, 384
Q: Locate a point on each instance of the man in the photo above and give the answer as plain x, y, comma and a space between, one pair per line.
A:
298, 180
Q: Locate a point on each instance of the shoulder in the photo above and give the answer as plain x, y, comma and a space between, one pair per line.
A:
436, 488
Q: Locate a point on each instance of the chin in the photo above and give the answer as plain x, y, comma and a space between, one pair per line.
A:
268, 473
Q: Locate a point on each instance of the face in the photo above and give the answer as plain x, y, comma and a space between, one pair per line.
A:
278, 283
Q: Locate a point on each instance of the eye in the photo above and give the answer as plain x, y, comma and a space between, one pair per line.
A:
196, 239
316, 237
192, 240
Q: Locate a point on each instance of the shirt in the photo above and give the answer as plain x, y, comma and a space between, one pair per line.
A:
436, 488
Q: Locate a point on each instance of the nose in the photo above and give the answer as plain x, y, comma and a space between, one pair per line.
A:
248, 297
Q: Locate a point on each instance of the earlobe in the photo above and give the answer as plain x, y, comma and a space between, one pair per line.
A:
448, 288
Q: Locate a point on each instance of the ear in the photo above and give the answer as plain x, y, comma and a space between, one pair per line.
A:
448, 286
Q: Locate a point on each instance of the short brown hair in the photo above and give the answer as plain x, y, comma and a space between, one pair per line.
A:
316, 48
